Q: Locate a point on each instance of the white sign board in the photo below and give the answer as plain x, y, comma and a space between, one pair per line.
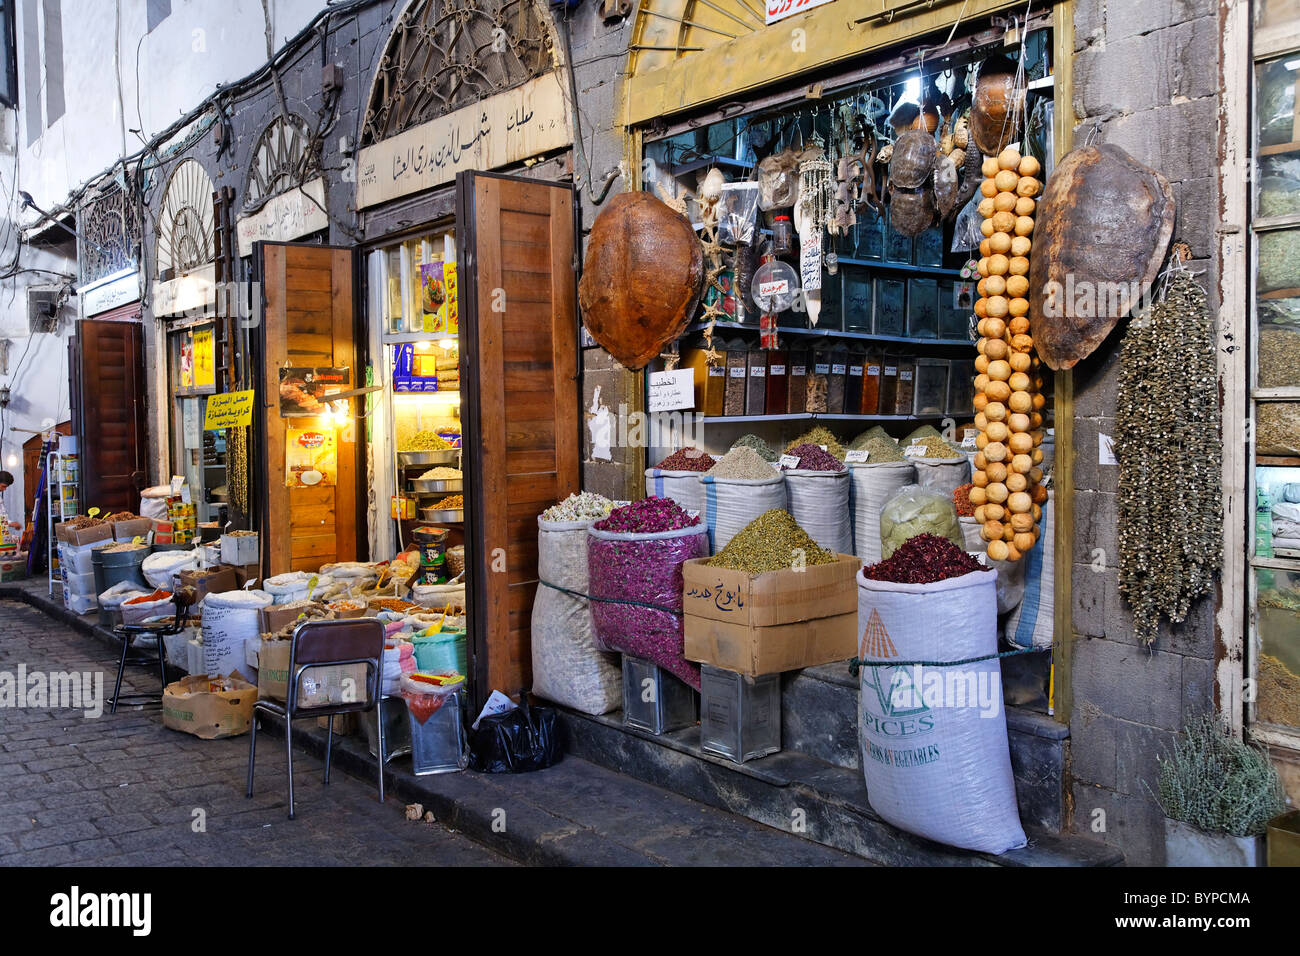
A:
673, 390
1106, 450
192, 293
495, 132
780, 9
285, 217
110, 293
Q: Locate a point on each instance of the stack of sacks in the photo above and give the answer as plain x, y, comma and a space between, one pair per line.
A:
1286, 528
399, 659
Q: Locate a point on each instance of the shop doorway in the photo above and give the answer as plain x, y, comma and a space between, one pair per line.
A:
108, 402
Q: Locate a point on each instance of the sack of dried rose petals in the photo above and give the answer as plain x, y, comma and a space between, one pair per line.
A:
678, 477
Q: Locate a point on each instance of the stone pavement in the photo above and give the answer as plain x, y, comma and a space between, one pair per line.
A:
123, 790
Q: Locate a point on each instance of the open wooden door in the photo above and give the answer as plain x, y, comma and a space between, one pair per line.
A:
307, 322
519, 372
108, 399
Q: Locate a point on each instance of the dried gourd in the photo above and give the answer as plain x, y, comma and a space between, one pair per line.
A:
1007, 489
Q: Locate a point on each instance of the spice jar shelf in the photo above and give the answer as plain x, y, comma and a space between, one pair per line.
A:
899, 266
831, 334
805, 416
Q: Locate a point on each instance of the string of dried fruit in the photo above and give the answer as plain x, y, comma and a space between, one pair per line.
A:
1008, 493
1167, 441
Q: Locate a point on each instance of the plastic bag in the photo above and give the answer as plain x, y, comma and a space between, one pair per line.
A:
737, 213
120, 593
523, 739
966, 231
636, 590
916, 510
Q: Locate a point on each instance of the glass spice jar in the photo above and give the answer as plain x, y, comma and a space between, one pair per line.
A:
782, 236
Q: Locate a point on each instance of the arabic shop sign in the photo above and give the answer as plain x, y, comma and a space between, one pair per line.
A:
491, 133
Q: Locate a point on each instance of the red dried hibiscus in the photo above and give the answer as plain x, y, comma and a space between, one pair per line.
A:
924, 559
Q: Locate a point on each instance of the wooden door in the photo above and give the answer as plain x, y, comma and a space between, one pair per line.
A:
519, 370
109, 417
308, 322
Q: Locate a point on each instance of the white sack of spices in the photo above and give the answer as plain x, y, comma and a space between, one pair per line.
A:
732, 503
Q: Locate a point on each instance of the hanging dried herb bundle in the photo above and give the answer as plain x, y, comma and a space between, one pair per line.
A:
1170, 458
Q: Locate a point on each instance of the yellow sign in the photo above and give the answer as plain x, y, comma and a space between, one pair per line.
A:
311, 457
229, 410
205, 360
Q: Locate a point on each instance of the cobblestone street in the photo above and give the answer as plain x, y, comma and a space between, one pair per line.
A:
123, 790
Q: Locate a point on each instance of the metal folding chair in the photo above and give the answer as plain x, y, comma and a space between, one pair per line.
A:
321, 644
183, 599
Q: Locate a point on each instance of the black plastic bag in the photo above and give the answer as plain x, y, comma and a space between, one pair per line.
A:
526, 738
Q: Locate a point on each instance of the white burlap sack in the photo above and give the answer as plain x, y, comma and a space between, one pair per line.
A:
873, 485
819, 503
942, 474
1032, 624
229, 620
160, 567
934, 738
682, 486
970, 530
732, 503
296, 586
568, 668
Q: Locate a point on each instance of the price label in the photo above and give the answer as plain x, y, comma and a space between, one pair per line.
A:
914, 451
758, 371
774, 287
738, 371
837, 369
716, 371
906, 376
789, 461
855, 371
891, 370
798, 371
968, 442
778, 369
823, 369
873, 369
856, 455
823, 448
93, 512
138, 539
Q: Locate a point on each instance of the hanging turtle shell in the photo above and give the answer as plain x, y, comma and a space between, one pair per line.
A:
996, 107
1100, 234
912, 160
642, 278
911, 212
945, 184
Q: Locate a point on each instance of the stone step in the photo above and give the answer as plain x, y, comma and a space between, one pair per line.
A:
819, 718
799, 794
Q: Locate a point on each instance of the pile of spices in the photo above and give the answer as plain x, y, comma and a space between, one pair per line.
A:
924, 559
820, 435
119, 548
925, 431
647, 516
742, 462
812, 458
1278, 693
687, 459
451, 503
122, 516
766, 451
392, 604
1279, 356
241, 534
159, 595
880, 449
961, 498
872, 433
936, 447
83, 521
586, 506
441, 474
1277, 428
427, 441
771, 542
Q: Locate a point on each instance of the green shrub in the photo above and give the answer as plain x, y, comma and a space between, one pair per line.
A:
1217, 783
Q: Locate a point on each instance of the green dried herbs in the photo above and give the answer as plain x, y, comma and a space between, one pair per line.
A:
880, 450
1167, 430
764, 450
819, 435
868, 436
771, 542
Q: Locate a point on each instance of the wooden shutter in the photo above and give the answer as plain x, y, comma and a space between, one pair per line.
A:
308, 322
519, 369
110, 413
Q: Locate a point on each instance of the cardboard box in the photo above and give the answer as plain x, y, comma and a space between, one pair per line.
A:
210, 580
774, 622
318, 686
275, 616
755, 651
246, 573
129, 530
778, 597
209, 708
83, 536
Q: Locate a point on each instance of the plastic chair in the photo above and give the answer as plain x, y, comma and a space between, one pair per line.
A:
321, 644
183, 599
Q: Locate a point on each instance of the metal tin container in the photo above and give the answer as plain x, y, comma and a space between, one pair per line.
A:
442, 515
437, 485
446, 457
654, 700
438, 744
397, 729
740, 716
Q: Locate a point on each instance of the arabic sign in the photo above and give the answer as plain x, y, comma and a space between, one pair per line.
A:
191, 293
780, 9
228, 410
491, 133
110, 293
285, 217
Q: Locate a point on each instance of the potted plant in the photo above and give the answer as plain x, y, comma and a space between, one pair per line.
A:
1218, 794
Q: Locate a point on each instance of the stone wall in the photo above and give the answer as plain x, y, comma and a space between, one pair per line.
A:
1145, 80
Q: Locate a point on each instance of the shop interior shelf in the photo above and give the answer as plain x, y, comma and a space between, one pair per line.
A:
1280, 148
1278, 461
1281, 294
831, 334
899, 266
804, 416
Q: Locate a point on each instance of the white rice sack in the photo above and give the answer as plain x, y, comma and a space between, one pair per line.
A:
161, 567
230, 620
819, 503
934, 738
732, 503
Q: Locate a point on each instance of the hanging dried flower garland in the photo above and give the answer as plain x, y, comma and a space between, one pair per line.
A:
1170, 457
